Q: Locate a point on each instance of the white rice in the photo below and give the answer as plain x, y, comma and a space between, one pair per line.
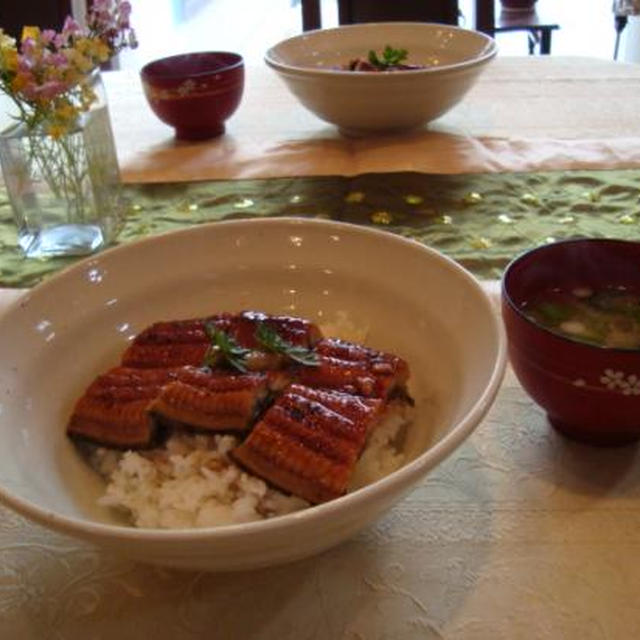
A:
383, 453
191, 482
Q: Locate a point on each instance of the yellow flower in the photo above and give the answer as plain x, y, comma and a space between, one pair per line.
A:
83, 45
9, 60
93, 48
6, 41
48, 90
65, 111
102, 51
56, 129
19, 82
30, 32
82, 63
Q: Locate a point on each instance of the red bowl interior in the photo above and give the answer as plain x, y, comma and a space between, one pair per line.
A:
190, 65
518, 4
195, 92
589, 392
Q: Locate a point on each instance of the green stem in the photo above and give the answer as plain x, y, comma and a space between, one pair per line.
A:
61, 164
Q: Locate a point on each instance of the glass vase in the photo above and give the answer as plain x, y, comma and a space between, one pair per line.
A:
65, 191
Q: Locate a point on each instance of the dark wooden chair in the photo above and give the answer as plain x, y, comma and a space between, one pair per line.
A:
539, 23
443, 11
47, 14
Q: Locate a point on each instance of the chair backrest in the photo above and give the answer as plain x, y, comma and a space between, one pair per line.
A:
50, 15
311, 17
444, 11
354, 11
485, 16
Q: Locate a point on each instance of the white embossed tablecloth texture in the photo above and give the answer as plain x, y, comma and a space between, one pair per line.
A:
519, 534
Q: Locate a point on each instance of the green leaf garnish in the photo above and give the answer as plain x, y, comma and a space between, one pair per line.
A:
554, 313
223, 348
390, 57
272, 341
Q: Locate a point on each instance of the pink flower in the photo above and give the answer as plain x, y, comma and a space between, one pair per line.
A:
57, 60
48, 69
125, 9
24, 65
70, 27
30, 87
47, 36
50, 90
60, 41
28, 47
23, 79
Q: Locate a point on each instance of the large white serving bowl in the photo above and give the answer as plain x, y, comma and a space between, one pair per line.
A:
410, 299
363, 102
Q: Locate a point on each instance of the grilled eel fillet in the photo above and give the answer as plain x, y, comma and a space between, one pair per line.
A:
353, 368
308, 442
212, 401
170, 344
126, 407
158, 382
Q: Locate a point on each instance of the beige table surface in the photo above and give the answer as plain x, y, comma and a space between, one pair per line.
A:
519, 534
524, 114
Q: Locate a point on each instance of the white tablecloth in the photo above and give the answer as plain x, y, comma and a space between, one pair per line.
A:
519, 534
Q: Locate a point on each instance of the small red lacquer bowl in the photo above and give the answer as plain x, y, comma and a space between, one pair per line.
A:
590, 393
195, 92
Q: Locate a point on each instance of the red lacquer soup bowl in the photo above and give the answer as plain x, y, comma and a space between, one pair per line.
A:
195, 92
590, 392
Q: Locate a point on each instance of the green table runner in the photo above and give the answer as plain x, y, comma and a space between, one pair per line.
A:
480, 220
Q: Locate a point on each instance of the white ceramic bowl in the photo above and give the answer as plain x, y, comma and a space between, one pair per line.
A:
413, 301
364, 102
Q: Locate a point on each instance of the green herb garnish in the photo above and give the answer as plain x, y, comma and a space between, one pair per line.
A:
390, 57
272, 341
224, 347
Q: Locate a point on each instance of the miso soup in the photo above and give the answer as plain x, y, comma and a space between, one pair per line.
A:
608, 317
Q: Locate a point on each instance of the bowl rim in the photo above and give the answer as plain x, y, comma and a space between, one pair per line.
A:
148, 75
490, 51
527, 254
402, 478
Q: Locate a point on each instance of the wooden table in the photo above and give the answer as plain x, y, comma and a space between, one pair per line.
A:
519, 534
